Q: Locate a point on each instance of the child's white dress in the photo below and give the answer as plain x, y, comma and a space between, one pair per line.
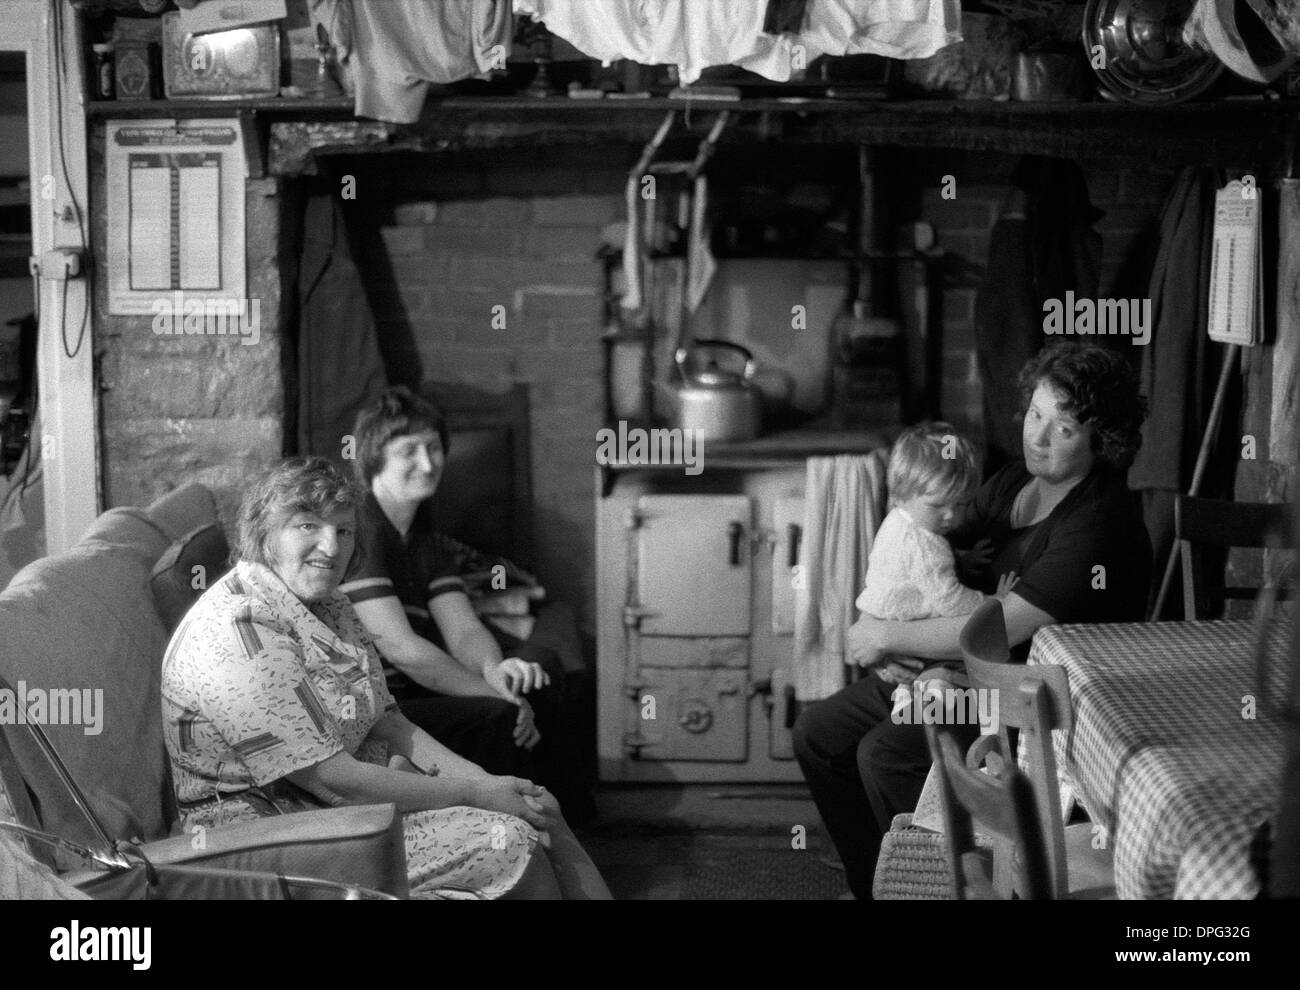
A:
911, 574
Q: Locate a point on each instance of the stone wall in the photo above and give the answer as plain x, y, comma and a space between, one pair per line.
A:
190, 408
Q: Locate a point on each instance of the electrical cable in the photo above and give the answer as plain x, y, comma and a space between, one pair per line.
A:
60, 67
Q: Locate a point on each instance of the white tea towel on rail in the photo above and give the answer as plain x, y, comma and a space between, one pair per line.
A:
844, 501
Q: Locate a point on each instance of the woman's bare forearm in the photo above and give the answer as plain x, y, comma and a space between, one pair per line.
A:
936, 639
341, 780
475, 649
436, 670
405, 738
933, 639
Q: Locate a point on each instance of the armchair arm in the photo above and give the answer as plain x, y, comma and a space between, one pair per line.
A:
144, 881
359, 846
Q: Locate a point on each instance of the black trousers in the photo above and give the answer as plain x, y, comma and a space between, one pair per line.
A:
481, 729
862, 770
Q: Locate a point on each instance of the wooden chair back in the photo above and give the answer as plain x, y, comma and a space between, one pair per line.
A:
1207, 522
1002, 804
1035, 700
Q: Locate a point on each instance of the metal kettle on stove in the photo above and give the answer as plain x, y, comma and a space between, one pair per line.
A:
722, 405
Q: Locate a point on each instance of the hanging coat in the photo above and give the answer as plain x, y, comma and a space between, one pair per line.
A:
339, 362
1042, 246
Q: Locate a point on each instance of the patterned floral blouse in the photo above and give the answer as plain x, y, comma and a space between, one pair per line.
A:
257, 685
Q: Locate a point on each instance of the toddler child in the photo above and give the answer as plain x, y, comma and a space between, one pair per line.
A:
911, 572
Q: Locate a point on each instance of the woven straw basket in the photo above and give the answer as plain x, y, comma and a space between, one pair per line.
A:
913, 864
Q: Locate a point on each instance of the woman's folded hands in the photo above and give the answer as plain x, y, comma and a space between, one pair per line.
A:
518, 797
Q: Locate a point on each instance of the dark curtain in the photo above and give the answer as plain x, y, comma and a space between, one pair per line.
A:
1042, 245
340, 366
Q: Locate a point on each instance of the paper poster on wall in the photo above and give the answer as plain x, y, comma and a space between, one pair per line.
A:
1236, 283
175, 213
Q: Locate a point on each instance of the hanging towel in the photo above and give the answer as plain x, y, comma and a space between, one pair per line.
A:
399, 47
903, 29
844, 502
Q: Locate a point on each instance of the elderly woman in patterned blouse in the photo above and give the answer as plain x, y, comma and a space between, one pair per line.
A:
274, 701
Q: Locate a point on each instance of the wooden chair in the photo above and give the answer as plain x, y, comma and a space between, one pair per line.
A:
1002, 804
1035, 700
1205, 522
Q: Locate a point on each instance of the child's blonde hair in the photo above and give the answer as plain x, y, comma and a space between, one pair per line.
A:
932, 459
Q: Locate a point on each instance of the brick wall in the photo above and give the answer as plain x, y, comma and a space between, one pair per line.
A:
1130, 198
476, 232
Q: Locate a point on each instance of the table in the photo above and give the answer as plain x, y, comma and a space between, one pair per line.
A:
1163, 752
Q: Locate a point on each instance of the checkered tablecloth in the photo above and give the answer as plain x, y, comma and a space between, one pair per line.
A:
1164, 752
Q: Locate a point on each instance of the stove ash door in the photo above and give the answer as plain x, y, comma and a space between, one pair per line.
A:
693, 582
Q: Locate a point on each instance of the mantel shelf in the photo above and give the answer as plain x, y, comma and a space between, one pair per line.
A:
276, 106
1242, 133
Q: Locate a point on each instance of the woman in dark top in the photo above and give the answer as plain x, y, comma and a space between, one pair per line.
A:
1063, 521
491, 698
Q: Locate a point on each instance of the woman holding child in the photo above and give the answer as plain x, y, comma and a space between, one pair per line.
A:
1058, 537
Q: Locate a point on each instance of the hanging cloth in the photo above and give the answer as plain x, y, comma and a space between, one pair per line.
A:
903, 29
1176, 375
686, 33
697, 34
339, 362
1284, 430
844, 503
401, 46
1180, 365
1042, 246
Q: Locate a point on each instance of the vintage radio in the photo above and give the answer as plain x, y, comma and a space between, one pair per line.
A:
240, 62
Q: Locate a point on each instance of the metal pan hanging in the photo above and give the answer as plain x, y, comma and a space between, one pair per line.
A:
1137, 50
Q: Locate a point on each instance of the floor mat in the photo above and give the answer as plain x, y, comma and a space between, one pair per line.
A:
707, 865
760, 875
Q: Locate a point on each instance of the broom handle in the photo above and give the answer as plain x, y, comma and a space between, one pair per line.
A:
1202, 459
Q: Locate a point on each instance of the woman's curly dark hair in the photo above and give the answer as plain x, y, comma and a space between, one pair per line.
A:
1098, 387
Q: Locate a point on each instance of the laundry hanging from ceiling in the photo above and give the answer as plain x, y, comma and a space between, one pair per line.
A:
694, 36
394, 49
